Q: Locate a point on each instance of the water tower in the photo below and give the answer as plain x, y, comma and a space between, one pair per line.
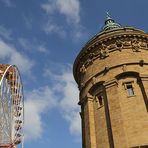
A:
111, 71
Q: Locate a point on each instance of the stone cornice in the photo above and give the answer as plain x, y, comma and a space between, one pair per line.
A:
101, 46
104, 36
93, 79
144, 77
110, 83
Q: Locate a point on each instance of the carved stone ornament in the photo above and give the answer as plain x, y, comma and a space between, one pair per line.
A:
94, 55
143, 45
141, 62
126, 43
119, 44
104, 51
106, 69
93, 80
112, 47
83, 69
88, 62
91, 56
124, 67
82, 85
135, 45
147, 44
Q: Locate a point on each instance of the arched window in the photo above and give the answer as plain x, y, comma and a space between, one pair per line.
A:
128, 81
98, 91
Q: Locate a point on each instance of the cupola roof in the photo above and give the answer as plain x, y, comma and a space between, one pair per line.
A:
110, 24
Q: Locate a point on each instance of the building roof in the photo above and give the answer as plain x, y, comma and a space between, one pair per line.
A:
110, 24
110, 30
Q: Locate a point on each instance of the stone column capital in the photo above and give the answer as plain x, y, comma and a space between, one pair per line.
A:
88, 97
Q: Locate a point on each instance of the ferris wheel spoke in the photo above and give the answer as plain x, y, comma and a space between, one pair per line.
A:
4, 131
5, 104
5, 118
11, 106
8, 102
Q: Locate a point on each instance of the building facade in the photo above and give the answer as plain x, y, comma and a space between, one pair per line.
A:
111, 71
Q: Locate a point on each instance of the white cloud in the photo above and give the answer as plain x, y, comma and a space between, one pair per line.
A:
7, 3
32, 45
69, 8
41, 48
54, 28
24, 43
5, 50
69, 102
5, 33
38, 101
49, 7
9, 53
62, 95
23, 63
28, 22
66, 87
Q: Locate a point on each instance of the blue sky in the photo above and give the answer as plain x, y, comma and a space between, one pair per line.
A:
43, 37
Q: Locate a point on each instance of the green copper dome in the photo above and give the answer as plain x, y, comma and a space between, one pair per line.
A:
110, 24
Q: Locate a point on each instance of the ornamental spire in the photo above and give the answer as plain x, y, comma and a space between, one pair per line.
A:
108, 16
110, 23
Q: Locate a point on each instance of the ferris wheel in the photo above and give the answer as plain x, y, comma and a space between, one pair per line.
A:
11, 107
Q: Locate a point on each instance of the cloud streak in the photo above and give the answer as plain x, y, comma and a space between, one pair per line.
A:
12, 56
32, 45
62, 95
5, 33
7, 3
52, 28
38, 101
65, 86
69, 8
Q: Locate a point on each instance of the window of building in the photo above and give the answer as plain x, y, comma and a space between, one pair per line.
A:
99, 100
129, 88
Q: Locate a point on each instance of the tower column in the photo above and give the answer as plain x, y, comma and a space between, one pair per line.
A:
90, 134
114, 119
144, 89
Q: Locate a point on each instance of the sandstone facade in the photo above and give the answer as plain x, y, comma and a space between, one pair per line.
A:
112, 75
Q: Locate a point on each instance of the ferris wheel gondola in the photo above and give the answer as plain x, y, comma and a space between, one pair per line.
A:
11, 107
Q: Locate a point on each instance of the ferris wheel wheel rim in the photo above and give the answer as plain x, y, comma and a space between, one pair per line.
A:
5, 73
